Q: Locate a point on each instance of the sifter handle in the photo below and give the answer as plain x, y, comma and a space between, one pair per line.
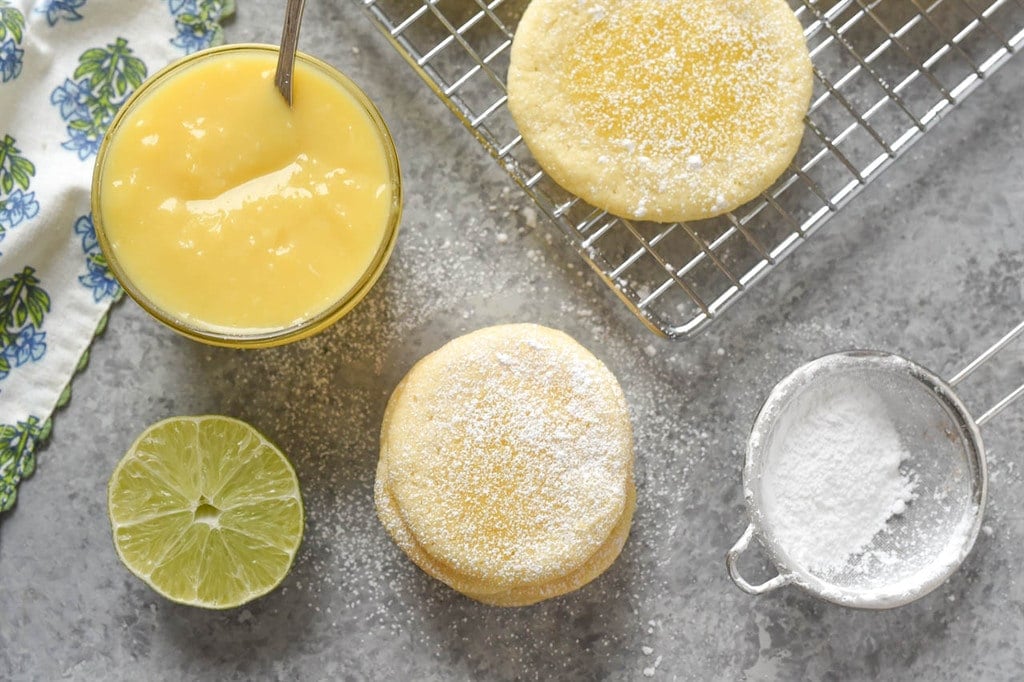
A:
733, 555
981, 360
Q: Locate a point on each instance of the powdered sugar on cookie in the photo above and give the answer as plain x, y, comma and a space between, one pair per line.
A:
690, 108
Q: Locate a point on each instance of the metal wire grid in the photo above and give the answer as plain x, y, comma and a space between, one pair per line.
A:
885, 72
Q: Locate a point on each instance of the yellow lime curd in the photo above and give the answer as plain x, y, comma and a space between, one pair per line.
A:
236, 219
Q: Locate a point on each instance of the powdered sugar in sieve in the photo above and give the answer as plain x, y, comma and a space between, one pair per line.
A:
865, 479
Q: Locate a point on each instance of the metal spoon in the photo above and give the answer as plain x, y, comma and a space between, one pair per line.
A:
289, 43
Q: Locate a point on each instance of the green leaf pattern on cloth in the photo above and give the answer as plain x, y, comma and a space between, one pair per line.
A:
17, 455
17, 205
104, 79
63, 77
23, 306
12, 22
12, 30
14, 169
199, 23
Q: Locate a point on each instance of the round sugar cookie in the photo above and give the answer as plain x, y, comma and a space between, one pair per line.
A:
661, 110
506, 466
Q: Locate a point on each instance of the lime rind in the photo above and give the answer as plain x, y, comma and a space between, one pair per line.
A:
241, 552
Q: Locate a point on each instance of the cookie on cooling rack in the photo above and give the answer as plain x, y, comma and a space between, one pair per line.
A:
661, 110
506, 465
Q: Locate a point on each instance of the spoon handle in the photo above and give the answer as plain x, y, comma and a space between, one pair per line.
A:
289, 43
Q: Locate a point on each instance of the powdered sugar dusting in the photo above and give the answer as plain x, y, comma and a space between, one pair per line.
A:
509, 462
682, 93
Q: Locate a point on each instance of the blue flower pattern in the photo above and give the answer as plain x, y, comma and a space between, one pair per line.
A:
16, 208
104, 79
72, 98
23, 308
87, 101
98, 277
10, 60
60, 9
198, 22
17, 204
85, 140
28, 345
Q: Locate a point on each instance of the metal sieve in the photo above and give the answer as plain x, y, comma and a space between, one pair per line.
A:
923, 545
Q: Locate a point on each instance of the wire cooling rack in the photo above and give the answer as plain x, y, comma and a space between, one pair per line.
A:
885, 72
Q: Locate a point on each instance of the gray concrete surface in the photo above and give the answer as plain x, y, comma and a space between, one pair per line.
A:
927, 262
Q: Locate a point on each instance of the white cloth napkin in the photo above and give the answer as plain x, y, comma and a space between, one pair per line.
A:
65, 68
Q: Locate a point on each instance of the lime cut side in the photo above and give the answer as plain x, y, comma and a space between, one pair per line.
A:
206, 510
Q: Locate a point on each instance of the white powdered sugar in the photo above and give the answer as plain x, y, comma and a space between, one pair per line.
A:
834, 481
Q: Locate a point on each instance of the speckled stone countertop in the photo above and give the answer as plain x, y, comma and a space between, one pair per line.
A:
927, 262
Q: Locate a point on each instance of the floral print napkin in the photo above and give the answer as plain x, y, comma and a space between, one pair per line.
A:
66, 66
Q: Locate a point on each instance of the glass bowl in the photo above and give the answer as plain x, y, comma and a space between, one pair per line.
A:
264, 337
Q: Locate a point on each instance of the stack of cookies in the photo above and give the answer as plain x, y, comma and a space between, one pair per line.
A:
506, 466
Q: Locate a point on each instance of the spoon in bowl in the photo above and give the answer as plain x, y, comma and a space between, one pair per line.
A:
289, 43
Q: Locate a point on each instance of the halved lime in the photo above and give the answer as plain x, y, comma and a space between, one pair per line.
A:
206, 510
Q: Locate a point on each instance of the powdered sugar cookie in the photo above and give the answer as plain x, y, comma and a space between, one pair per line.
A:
506, 465
661, 110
